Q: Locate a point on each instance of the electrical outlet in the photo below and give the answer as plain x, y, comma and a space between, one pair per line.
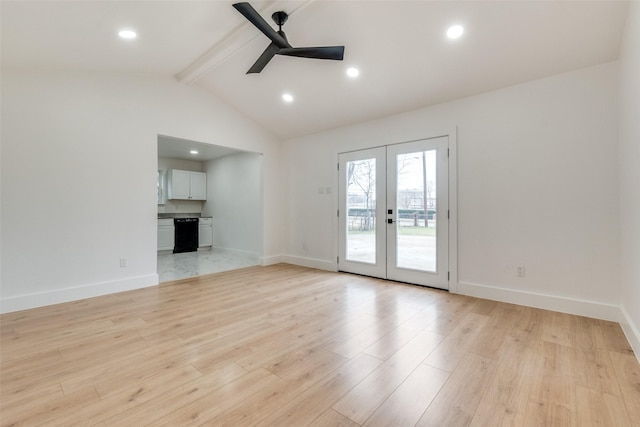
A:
520, 271
123, 262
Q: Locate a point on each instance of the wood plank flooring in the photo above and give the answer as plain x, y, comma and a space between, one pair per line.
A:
291, 346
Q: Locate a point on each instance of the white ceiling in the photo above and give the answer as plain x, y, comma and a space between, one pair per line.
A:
400, 47
177, 148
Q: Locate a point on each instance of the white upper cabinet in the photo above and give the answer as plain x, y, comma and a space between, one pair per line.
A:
198, 181
187, 185
179, 184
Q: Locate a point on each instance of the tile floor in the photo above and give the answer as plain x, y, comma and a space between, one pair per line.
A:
189, 264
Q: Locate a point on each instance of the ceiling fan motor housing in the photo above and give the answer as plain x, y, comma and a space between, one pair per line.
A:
280, 18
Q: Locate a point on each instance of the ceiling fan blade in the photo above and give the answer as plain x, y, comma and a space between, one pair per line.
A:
264, 59
254, 17
320, 52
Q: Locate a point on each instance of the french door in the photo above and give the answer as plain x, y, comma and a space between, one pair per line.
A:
393, 212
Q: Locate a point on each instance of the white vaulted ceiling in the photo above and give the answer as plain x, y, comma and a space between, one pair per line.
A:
400, 47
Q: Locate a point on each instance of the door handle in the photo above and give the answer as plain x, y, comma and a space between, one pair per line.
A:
390, 221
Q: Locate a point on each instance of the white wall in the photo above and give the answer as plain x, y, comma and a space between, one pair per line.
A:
630, 175
179, 206
79, 164
234, 197
537, 186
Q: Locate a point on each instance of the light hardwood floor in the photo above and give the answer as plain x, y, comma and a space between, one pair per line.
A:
290, 346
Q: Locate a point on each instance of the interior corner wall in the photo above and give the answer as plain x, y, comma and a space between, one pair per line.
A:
79, 165
630, 176
234, 200
537, 187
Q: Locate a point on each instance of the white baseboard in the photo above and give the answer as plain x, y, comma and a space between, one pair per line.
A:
271, 260
631, 331
233, 251
41, 299
311, 263
548, 302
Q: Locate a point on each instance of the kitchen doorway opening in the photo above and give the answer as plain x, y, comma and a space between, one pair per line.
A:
222, 188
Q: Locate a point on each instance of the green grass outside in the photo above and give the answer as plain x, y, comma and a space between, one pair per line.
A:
417, 231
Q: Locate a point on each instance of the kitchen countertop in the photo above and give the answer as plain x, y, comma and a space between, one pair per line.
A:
180, 215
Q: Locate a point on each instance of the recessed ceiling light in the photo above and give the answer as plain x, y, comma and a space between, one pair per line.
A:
353, 72
287, 97
455, 31
194, 151
127, 34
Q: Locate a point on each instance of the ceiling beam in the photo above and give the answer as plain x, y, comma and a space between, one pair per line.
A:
235, 40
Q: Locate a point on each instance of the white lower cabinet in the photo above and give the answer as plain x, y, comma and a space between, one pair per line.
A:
205, 232
166, 234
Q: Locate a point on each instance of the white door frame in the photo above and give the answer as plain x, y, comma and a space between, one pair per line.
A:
451, 134
379, 267
439, 277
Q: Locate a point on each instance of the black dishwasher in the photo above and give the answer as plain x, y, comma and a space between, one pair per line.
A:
186, 235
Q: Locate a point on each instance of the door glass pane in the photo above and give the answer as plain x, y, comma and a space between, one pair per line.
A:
361, 210
416, 211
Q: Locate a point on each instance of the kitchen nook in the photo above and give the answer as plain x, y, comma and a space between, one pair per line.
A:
208, 208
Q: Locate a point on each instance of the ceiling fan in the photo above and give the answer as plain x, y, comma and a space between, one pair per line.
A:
279, 44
